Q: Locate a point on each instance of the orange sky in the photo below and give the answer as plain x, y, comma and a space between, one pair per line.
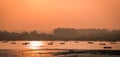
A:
45, 15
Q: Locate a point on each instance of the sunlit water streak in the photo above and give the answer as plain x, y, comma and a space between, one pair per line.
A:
32, 48
58, 45
35, 44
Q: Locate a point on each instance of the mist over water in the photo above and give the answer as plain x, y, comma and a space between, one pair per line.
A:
60, 28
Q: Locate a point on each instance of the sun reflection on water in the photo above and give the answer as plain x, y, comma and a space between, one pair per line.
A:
35, 44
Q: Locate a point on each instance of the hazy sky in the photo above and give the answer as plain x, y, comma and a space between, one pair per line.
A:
45, 15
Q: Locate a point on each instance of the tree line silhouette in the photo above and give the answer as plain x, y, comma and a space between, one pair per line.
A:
84, 35
34, 35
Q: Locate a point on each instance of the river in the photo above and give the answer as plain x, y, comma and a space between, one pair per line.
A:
59, 49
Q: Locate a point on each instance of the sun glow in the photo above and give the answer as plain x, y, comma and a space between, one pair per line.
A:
35, 44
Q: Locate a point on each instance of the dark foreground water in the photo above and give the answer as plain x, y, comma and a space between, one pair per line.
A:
59, 49
52, 53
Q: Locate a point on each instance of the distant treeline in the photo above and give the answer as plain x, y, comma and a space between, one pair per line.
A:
84, 35
4, 35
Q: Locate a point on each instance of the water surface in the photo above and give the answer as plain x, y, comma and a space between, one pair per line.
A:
58, 48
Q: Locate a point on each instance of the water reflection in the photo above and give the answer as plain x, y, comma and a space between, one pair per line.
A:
43, 49
35, 44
